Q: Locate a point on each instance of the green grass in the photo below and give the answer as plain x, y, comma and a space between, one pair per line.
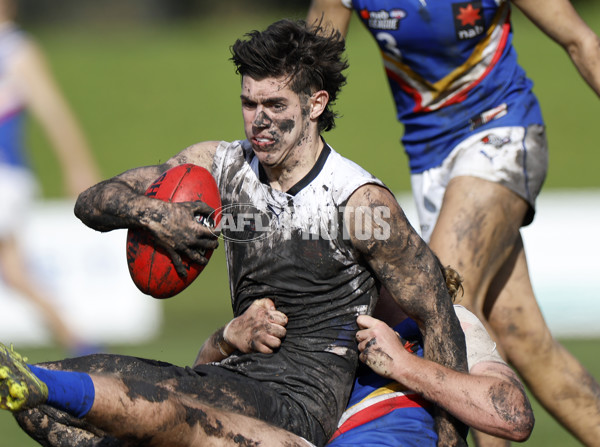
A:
143, 93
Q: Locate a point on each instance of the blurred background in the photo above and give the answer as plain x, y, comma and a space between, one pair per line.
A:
147, 78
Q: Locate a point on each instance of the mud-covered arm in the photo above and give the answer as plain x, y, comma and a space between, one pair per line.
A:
120, 202
259, 329
408, 269
331, 12
490, 398
561, 22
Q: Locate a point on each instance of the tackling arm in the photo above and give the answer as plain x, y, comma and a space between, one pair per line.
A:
489, 398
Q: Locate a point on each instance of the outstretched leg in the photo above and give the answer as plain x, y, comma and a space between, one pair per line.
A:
142, 402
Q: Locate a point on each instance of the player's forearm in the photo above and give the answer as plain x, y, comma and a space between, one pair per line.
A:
431, 306
331, 12
489, 404
444, 344
447, 348
571, 32
444, 340
215, 349
115, 204
586, 57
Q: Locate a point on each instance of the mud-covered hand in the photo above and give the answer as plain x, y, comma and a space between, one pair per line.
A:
381, 348
180, 229
260, 328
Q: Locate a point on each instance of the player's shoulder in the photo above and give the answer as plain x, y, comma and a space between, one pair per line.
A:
202, 147
341, 164
201, 154
348, 180
345, 169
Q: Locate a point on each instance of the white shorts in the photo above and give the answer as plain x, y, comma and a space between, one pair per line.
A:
515, 157
18, 187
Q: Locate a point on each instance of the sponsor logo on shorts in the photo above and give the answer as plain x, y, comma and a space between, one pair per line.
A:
495, 140
494, 143
382, 19
242, 223
468, 20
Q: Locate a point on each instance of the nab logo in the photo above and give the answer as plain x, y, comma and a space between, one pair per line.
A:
468, 20
382, 19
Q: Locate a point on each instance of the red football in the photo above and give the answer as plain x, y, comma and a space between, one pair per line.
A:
150, 266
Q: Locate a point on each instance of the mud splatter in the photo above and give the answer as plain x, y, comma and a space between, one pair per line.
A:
286, 126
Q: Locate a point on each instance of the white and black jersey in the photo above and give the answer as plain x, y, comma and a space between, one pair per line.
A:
292, 247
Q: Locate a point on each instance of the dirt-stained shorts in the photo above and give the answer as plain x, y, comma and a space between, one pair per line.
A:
515, 157
256, 399
18, 187
208, 384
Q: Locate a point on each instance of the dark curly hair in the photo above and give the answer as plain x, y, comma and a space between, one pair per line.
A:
311, 57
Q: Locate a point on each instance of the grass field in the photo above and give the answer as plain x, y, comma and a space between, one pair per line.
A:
143, 93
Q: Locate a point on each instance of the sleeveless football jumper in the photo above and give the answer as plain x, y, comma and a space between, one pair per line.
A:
297, 253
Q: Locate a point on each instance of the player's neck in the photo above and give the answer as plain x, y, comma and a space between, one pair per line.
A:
296, 165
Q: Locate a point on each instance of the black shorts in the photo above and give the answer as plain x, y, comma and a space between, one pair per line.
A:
210, 384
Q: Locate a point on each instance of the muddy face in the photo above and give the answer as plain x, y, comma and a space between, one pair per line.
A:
276, 120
